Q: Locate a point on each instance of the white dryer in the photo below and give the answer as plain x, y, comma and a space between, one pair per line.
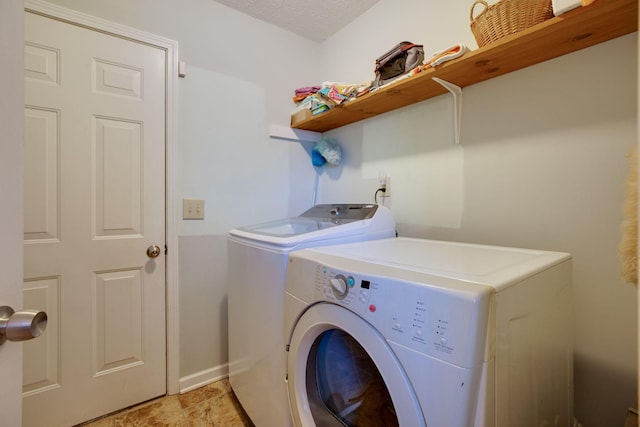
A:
257, 263
411, 332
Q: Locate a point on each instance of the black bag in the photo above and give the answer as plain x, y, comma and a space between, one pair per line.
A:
404, 57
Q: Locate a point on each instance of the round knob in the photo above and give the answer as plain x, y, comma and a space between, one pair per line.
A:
21, 326
26, 324
339, 286
153, 251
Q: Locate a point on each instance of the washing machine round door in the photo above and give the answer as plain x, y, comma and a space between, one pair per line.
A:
342, 372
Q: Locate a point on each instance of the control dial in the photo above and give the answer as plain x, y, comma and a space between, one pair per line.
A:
339, 286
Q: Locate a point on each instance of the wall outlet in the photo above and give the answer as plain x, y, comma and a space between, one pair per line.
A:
192, 209
387, 186
385, 182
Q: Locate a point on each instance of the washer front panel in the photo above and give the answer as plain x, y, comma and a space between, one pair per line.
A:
431, 320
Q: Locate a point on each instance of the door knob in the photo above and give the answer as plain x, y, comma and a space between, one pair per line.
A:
22, 325
153, 251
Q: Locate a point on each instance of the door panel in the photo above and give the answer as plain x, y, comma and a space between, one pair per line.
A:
94, 202
41, 162
117, 175
42, 356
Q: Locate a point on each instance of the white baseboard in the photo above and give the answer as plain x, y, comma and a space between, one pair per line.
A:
202, 378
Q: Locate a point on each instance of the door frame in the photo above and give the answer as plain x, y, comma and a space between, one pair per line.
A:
171, 206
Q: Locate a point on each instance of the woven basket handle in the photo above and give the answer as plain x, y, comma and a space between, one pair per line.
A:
477, 2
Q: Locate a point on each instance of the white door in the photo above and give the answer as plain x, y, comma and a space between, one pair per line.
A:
94, 202
11, 201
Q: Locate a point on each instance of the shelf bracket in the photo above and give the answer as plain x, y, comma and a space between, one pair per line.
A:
290, 134
456, 91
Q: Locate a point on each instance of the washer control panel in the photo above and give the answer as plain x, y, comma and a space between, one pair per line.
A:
432, 320
340, 285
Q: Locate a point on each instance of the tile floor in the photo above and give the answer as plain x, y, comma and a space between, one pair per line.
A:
211, 405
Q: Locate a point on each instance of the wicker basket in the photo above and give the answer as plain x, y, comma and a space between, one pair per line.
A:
507, 17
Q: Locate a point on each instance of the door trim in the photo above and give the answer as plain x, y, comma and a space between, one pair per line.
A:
171, 206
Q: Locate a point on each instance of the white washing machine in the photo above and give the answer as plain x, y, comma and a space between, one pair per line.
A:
410, 332
257, 263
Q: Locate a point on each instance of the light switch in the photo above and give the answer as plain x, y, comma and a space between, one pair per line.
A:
192, 209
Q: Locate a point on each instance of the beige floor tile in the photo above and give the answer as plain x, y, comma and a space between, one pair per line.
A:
211, 405
159, 413
201, 394
220, 411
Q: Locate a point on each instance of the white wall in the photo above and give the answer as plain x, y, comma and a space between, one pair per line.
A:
542, 165
11, 211
241, 74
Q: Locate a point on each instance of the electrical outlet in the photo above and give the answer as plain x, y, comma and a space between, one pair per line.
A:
383, 182
382, 179
192, 209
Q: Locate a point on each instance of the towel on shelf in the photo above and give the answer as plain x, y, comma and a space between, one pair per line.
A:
438, 58
628, 246
445, 55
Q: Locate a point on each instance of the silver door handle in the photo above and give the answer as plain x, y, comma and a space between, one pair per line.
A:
22, 325
153, 251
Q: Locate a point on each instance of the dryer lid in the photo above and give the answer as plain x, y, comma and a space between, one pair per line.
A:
287, 227
321, 222
341, 212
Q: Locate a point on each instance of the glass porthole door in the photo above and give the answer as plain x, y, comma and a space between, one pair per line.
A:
341, 372
343, 381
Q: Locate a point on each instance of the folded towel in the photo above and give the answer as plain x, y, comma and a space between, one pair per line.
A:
307, 90
445, 55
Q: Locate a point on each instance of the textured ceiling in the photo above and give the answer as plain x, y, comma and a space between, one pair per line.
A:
314, 19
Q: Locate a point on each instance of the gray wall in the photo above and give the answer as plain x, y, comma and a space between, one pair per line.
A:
541, 164
241, 74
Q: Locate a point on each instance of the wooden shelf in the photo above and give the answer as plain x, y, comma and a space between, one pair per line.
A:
580, 28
